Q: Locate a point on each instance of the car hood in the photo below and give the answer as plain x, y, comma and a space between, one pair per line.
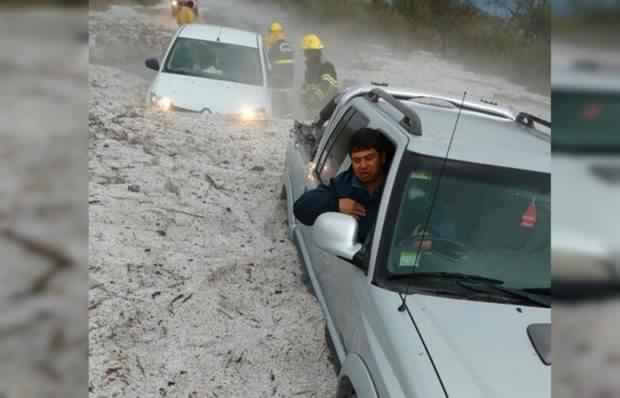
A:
479, 349
586, 211
197, 94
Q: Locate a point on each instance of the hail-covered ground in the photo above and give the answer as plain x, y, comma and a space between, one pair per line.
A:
195, 290
43, 210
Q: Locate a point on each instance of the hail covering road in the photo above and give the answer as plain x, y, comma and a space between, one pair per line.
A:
194, 289
43, 211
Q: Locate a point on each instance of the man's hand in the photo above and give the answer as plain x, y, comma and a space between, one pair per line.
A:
351, 207
423, 238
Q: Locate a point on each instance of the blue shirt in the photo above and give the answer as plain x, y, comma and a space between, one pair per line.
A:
324, 199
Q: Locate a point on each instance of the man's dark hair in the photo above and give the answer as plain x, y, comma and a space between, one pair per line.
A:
367, 138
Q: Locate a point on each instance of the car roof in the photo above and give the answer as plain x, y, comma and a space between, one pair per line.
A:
470, 102
486, 134
226, 35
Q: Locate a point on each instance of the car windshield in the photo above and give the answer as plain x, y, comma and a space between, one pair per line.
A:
585, 121
215, 60
487, 222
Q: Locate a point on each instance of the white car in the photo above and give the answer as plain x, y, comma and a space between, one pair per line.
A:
212, 69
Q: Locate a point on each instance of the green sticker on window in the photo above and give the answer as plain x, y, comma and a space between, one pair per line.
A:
407, 259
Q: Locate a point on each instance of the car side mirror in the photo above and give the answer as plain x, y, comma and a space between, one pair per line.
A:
152, 63
336, 233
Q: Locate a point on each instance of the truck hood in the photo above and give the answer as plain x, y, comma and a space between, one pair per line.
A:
218, 96
480, 349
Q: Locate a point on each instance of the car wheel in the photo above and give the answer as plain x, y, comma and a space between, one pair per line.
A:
333, 357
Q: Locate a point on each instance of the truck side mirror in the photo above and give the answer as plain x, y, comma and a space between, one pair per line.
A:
336, 233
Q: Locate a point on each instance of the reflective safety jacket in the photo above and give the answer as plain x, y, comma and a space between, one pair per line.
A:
185, 16
281, 59
321, 83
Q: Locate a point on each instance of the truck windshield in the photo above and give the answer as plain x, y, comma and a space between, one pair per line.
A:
488, 222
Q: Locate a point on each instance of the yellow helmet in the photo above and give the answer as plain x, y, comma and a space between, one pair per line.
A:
276, 27
312, 42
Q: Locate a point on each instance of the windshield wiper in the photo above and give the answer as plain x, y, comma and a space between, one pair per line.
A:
425, 290
543, 291
445, 275
519, 293
179, 72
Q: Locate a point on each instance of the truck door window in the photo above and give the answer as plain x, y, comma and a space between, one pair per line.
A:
337, 148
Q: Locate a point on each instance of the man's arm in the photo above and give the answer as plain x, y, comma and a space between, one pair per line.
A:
329, 80
315, 202
443, 229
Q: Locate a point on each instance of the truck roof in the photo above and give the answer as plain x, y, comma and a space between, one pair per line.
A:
486, 134
481, 139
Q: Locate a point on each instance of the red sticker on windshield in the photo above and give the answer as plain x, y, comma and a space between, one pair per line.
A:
528, 219
592, 111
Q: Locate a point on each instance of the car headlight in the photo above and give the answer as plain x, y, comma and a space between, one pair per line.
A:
249, 114
161, 103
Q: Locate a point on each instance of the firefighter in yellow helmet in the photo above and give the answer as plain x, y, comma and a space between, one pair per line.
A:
320, 82
186, 13
280, 56
276, 32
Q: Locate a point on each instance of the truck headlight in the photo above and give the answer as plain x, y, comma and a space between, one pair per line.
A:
161, 103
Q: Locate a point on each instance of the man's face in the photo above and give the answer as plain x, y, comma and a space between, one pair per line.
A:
367, 164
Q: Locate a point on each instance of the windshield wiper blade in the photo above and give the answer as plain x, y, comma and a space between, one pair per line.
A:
519, 293
445, 275
543, 291
179, 72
